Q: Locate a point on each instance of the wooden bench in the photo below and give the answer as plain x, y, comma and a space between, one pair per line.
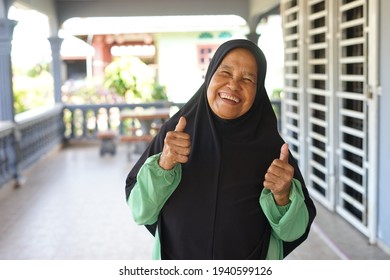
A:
130, 140
108, 144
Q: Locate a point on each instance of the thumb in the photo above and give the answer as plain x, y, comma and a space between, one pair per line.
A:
284, 153
181, 124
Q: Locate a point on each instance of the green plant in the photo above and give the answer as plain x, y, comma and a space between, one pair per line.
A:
87, 92
38, 70
276, 97
130, 77
159, 92
32, 88
276, 94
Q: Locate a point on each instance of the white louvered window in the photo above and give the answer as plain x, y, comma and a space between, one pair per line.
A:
319, 102
352, 103
291, 111
327, 103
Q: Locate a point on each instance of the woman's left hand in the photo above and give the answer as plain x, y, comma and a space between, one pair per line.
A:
279, 177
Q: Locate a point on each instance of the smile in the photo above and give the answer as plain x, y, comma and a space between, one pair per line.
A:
227, 96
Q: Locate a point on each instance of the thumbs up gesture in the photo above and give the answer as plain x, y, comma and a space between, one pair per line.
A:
177, 146
279, 176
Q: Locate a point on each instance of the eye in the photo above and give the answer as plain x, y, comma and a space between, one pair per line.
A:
249, 80
225, 72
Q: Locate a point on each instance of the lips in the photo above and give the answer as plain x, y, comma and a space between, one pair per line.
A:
230, 97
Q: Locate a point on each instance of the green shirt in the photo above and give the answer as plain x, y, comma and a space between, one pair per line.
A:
155, 185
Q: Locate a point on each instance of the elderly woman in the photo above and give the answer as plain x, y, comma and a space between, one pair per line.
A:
218, 181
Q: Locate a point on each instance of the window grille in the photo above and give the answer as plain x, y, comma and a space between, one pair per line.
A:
320, 102
352, 112
291, 111
326, 104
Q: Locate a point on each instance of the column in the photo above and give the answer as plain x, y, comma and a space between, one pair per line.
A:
6, 93
253, 36
101, 58
55, 43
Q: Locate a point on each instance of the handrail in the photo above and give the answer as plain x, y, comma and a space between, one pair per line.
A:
7, 154
85, 121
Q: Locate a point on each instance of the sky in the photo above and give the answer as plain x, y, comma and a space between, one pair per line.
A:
29, 45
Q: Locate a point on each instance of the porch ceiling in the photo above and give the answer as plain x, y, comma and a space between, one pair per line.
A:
249, 10
118, 8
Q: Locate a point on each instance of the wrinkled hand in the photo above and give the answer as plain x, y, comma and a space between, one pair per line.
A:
177, 146
279, 176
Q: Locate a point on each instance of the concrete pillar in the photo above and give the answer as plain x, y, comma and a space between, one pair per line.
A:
254, 37
7, 111
101, 58
55, 43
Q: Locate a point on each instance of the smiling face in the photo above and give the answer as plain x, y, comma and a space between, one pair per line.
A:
232, 88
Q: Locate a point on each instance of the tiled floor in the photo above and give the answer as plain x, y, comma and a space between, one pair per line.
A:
72, 206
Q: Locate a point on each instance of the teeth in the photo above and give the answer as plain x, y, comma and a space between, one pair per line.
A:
227, 96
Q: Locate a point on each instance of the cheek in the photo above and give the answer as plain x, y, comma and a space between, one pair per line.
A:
251, 99
210, 95
250, 96
211, 92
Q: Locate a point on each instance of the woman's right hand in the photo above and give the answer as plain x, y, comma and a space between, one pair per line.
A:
177, 146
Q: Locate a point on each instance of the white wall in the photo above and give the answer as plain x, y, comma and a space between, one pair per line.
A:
177, 60
178, 63
272, 44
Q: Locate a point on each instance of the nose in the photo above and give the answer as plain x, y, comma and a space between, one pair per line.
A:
234, 84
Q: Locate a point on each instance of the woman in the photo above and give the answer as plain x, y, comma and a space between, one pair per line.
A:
218, 182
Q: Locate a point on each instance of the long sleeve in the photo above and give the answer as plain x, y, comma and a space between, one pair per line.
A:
153, 188
155, 185
288, 222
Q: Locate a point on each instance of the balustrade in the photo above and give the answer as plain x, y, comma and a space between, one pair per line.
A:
36, 132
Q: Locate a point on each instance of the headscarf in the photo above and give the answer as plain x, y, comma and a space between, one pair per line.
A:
214, 213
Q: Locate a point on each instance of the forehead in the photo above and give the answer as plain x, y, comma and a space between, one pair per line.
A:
240, 58
240, 52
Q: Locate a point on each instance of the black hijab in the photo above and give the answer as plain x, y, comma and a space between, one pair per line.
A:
214, 213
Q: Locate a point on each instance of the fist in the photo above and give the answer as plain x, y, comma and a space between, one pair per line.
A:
177, 146
279, 176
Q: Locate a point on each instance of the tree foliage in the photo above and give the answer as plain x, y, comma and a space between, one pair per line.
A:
130, 77
32, 88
